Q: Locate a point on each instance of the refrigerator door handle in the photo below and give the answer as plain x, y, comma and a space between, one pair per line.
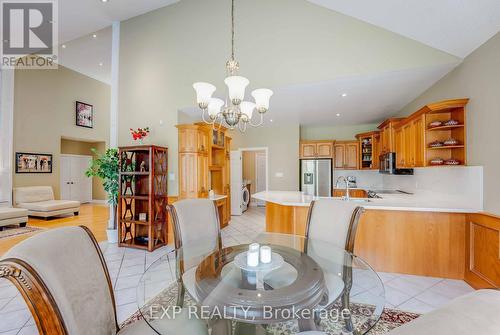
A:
316, 192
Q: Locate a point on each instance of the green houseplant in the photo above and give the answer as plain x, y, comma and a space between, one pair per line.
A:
106, 167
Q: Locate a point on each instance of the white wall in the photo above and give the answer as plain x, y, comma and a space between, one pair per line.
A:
477, 78
6, 134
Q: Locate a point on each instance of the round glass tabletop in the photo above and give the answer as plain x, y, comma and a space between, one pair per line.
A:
316, 287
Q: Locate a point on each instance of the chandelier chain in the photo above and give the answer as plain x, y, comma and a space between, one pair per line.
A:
232, 30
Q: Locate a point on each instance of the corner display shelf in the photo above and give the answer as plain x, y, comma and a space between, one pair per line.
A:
369, 144
444, 111
143, 190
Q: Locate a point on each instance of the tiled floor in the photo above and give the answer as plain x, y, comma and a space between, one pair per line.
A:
404, 292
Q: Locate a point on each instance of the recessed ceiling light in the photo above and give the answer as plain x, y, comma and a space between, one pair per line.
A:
101, 64
94, 36
344, 95
271, 120
104, 0
63, 46
338, 114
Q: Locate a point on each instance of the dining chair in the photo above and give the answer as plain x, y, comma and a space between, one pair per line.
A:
196, 234
64, 280
334, 222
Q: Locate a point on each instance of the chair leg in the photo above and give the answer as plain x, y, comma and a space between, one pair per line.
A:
22, 224
76, 213
181, 291
1, 228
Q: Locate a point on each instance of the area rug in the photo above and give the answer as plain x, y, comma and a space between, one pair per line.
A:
389, 320
9, 231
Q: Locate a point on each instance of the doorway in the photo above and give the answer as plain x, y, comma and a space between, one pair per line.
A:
255, 172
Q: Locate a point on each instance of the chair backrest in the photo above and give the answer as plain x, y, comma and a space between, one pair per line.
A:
195, 220
32, 194
334, 221
65, 282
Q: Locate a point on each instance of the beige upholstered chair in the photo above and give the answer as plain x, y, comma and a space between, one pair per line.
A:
194, 221
62, 275
334, 222
40, 201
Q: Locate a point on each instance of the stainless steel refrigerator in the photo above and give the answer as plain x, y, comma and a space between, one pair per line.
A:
316, 177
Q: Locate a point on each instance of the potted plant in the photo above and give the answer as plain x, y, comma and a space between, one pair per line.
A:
106, 167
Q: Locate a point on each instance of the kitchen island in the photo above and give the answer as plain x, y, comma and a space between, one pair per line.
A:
425, 234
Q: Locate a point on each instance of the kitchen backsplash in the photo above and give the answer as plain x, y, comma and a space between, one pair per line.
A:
457, 182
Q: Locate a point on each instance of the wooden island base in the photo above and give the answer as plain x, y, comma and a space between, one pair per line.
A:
445, 245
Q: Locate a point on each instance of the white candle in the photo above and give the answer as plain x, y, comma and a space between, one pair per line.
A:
253, 246
253, 257
265, 254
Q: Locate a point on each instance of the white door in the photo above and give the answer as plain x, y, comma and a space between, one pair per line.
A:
236, 182
74, 184
260, 175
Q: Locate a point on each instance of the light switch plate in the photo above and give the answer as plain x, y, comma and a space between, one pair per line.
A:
171, 176
279, 174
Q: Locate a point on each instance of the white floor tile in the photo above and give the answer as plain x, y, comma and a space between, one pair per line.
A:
127, 282
9, 291
28, 330
416, 306
13, 320
451, 288
432, 298
16, 304
125, 311
126, 296
394, 296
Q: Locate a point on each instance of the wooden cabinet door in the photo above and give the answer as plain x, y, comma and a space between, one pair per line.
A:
188, 176
203, 141
351, 155
188, 140
324, 150
399, 147
339, 156
375, 152
308, 150
203, 176
409, 145
419, 133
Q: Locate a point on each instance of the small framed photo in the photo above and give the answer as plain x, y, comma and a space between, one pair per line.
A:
33, 163
84, 115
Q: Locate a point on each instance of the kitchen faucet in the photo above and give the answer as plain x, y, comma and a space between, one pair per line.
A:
347, 195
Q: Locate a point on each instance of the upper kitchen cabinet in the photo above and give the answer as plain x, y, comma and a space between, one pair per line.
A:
316, 149
434, 135
387, 138
369, 144
346, 155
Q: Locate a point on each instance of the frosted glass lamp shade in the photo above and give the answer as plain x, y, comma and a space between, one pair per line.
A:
214, 107
247, 109
262, 97
204, 92
236, 86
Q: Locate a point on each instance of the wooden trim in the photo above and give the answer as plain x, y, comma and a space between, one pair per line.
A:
368, 134
393, 120
37, 296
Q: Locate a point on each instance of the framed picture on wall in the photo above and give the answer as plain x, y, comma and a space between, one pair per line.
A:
84, 115
33, 163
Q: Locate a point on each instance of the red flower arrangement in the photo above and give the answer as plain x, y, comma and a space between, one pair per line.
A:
139, 133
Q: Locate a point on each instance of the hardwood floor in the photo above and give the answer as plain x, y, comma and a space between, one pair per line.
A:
95, 217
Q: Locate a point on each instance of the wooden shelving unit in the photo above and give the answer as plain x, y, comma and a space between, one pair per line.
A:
369, 144
143, 189
444, 111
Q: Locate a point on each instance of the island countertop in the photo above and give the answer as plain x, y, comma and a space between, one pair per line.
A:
424, 202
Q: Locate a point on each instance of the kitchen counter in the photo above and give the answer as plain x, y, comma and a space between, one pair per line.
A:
424, 202
217, 197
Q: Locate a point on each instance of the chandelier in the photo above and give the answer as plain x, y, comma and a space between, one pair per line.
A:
234, 112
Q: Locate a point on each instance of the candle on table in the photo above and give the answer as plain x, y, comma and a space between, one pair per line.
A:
253, 257
265, 254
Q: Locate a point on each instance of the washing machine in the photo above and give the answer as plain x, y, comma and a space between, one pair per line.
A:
245, 198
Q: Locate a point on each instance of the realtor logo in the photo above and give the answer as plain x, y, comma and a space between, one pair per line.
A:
29, 34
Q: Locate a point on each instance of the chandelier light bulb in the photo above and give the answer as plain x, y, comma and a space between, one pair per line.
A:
262, 97
214, 107
247, 110
204, 93
236, 86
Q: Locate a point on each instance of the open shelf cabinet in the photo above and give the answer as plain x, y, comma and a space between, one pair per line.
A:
142, 191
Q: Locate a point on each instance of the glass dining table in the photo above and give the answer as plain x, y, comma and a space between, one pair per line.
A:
309, 285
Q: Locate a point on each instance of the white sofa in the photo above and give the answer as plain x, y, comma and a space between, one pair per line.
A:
39, 201
11, 216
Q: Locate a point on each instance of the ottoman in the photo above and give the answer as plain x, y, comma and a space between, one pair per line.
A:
10, 216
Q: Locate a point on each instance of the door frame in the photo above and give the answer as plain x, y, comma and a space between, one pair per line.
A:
60, 174
266, 151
